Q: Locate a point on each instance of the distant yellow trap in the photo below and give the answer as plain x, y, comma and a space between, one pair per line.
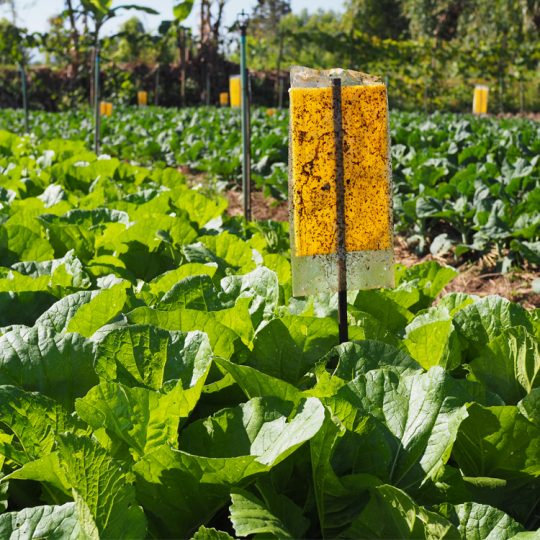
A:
235, 90
367, 182
480, 99
105, 108
142, 98
224, 99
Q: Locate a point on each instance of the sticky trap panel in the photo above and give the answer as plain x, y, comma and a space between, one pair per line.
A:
368, 189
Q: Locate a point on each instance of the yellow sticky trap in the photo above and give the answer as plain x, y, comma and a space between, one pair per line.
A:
235, 90
270, 112
105, 108
224, 98
480, 99
367, 182
142, 98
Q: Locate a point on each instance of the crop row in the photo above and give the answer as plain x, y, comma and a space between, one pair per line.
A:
158, 380
469, 185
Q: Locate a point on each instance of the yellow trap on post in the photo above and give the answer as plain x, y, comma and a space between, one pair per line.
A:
480, 99
367, 182
235, 90
142, 98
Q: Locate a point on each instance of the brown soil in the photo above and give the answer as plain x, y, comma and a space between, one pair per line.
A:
529, 115
477, 278
262, 208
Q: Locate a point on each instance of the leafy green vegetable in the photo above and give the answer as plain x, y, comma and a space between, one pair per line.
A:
498, 442
509, 365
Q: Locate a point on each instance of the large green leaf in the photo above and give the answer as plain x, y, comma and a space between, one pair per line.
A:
193, 292
430, 278
144, 232
254, 383
392, 514
529, 406
50, 522
261, 285
484, 320
210, 534
102, 491
66, 234
359, 357
72, 266
481, 522
367, 327
58, 316
143, 355
380, 304
184, 487
143, 418
182, 10
238, 319
432, 340
276, 515
423, 412
99, 8
38, 359
17, 243
34, 419
509, 365
288, 348
498, 442
224, 342
164, 283
201, 209
99, 311
233, 251
47, 470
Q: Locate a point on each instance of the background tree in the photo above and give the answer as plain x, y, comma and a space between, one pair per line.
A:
266, 17
382, 18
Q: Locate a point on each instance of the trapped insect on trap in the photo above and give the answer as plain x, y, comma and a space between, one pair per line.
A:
340, 184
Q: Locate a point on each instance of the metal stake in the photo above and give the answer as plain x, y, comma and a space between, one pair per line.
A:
208, 89
522, 96
25, 100
246, 143
97, 126
156, 94
280, 103
340, 210
501, 93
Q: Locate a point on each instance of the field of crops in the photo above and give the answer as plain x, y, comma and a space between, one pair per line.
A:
461, 184
158, 380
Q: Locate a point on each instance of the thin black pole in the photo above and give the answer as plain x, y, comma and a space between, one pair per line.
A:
97, 111
156, 93
340, 211
25, 100
246, 125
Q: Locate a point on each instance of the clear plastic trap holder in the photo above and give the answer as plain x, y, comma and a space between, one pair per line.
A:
367, 172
